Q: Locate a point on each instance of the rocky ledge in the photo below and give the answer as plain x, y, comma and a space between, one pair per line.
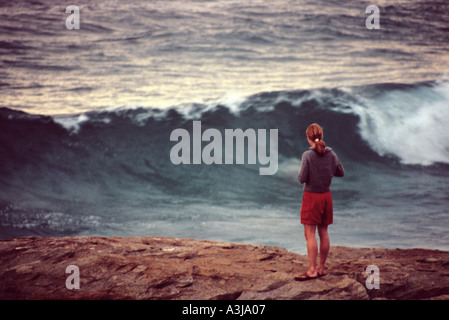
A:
169, 268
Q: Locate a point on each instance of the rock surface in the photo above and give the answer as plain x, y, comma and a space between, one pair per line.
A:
170, 268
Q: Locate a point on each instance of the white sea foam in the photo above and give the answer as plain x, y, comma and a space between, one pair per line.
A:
51, 221
71, 123
410, 124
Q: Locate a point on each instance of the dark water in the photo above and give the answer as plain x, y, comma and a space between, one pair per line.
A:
110, 172
87, 116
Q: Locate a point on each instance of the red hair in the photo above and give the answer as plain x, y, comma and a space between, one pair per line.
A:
315, 134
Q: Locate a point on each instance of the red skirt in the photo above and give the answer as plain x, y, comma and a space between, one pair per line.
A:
317, 208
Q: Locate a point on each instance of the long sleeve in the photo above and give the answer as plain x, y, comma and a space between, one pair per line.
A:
316, 171
304, 170
339, 170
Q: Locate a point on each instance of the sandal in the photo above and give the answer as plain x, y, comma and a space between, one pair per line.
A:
304, 277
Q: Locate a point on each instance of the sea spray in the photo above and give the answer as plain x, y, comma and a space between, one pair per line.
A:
109, 172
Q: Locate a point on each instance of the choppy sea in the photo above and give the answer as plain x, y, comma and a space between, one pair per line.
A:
86, 116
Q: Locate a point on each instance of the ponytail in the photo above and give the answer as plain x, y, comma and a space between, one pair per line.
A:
315, 133
320, 147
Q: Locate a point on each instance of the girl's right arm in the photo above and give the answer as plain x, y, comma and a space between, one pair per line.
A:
304, 170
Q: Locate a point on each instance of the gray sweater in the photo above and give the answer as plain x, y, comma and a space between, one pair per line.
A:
317, 171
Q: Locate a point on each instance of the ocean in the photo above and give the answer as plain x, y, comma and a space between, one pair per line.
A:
86, 117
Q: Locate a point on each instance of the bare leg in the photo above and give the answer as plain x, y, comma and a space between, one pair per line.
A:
324, 247
312, 248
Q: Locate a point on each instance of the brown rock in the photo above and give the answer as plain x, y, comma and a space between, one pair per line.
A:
169, 268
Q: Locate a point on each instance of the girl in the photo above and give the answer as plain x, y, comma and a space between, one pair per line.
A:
319, 165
